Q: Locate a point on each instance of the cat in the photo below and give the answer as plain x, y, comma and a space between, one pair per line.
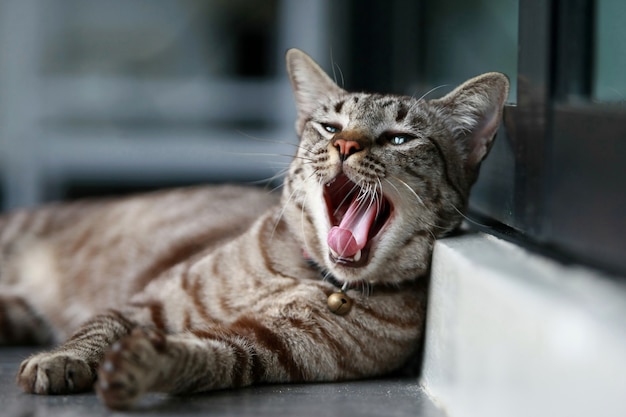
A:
205, 288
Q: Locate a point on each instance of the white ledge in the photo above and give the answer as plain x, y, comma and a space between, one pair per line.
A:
511, 333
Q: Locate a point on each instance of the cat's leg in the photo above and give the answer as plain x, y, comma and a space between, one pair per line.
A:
20, 324
149, 361
260, 348
72, 366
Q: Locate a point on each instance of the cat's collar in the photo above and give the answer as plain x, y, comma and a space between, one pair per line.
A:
330, 278
338, 302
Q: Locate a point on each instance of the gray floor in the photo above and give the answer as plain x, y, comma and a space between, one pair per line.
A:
383, 397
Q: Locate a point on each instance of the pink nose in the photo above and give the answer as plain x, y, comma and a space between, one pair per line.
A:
347, 147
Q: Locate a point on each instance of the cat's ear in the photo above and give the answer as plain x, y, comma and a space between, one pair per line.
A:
474, 111
310, 85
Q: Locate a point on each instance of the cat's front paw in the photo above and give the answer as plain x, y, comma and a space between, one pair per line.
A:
55, 373
130, 368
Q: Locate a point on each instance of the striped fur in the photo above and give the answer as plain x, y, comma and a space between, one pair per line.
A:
207, 288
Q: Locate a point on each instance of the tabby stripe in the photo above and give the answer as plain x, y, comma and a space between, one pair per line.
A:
225, 288
99, 333
194, 293
445, 168
419, 176
223, 302
402, 339
321, 336
156, 312
186, 321
81, 241
402, 321
258, 370
307, 216
433, 193
272, 342
343, 357
339, 106
184, 279
243, 359
364, 350
267, 259
238, 371
245, 355
174, 256
102, 323
402, 112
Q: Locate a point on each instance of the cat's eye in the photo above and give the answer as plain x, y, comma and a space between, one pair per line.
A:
331, 128
399, 139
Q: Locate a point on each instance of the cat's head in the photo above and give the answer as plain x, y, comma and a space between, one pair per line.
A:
378, 177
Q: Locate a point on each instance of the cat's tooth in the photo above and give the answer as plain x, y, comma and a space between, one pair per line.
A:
355, 258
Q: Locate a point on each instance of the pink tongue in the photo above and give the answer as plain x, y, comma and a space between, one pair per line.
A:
351, 235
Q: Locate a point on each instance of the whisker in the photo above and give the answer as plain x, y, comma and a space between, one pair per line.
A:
434, 226
411, 190
423, 96
276, 142
326, 275
367, 288
340, 73
302, 217
284, 208
255, 154
333, 64
432, 90
380, 199
348, 195
371, 196
271, 179
467, 218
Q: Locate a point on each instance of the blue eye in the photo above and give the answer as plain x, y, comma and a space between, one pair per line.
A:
399, 139
330, 128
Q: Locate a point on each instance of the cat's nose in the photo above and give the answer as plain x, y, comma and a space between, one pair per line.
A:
346, 148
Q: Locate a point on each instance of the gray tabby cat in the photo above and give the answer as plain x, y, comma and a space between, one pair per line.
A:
205, 288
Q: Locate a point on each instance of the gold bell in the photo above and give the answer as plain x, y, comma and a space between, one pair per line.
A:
339, 303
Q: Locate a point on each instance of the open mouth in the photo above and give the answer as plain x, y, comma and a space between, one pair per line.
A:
356, 218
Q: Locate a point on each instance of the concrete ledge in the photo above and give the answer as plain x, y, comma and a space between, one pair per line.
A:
511, 333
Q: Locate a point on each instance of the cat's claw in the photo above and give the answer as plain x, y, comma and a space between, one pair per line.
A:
128, 370
55, 373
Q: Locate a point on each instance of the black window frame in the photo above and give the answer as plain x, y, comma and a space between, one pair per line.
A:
563, 187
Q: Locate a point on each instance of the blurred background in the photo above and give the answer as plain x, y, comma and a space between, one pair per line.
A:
108, 97
118, 96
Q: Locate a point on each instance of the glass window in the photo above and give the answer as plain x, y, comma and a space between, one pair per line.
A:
465, 38
609, 81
